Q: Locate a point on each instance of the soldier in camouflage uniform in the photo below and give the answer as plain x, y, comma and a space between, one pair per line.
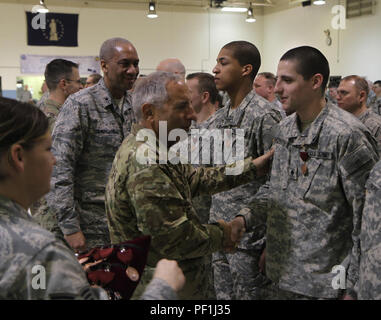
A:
237, 276
370, 263
314, 199
375, 104
351, 96
34, 264
89, 130
144, 197
264, 85
62, 79
204, 95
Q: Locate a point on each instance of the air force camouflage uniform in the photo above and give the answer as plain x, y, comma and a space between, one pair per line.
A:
34, 264
370, 263
315, 205
156, 199
88, 132
237, 276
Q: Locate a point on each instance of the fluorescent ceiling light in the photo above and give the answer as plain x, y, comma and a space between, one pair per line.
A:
319, 2
233, 9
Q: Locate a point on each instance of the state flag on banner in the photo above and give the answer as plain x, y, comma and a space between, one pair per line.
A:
52, 29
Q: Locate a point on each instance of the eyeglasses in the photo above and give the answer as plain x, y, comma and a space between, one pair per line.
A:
77, 81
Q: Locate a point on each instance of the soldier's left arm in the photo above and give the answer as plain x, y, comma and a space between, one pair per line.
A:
212, 180
356, 158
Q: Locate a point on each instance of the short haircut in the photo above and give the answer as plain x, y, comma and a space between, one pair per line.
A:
151, 89
360, 83
220, 101
107, 50
309, 61
205, 84
57, 70
270, 77
21, 123
377, 82
95, 77
245, 53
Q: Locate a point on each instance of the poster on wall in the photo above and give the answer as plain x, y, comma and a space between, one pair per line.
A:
35, 64
52, 29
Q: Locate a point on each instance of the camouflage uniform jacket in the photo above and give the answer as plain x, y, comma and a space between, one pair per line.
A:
156, 199
51, 109
258, 118
31, 257
39, 209
314, 218
376, 106
42, 100
88, 132
372, 121
277, 105
370, 263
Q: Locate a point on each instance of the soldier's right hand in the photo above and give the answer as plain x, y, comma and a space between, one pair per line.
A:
77, 241
229, 246
169, 271
262, 163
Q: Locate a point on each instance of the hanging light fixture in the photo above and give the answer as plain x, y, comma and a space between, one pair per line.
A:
152, 10
319, 2
250, 14
42, 8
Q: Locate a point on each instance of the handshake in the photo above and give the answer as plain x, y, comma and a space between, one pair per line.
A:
233, 233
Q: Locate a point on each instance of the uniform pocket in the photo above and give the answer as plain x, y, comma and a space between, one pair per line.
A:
311, 181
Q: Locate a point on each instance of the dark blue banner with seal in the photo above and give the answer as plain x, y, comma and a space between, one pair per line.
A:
52, 29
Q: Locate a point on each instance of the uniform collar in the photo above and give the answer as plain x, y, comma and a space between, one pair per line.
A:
10, 208
106, 99
364, 115
235, 117
310, 135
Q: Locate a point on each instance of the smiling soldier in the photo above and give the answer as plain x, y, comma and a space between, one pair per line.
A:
89, 130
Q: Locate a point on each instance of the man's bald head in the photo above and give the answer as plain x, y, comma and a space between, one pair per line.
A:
172, 65
107, 50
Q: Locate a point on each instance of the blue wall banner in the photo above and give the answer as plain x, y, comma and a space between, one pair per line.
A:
52, 29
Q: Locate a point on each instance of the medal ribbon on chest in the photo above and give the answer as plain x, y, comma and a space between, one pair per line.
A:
304, 156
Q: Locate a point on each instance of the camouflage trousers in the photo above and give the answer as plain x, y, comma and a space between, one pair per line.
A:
46, 219
237, 276
272, 292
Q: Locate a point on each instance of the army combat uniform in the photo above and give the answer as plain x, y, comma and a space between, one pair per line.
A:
88, 132
156, 199
40, 210
376, 106
372, 121
315, 199
370, 262
237, 276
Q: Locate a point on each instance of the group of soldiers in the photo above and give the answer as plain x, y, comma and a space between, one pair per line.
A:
267, 234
